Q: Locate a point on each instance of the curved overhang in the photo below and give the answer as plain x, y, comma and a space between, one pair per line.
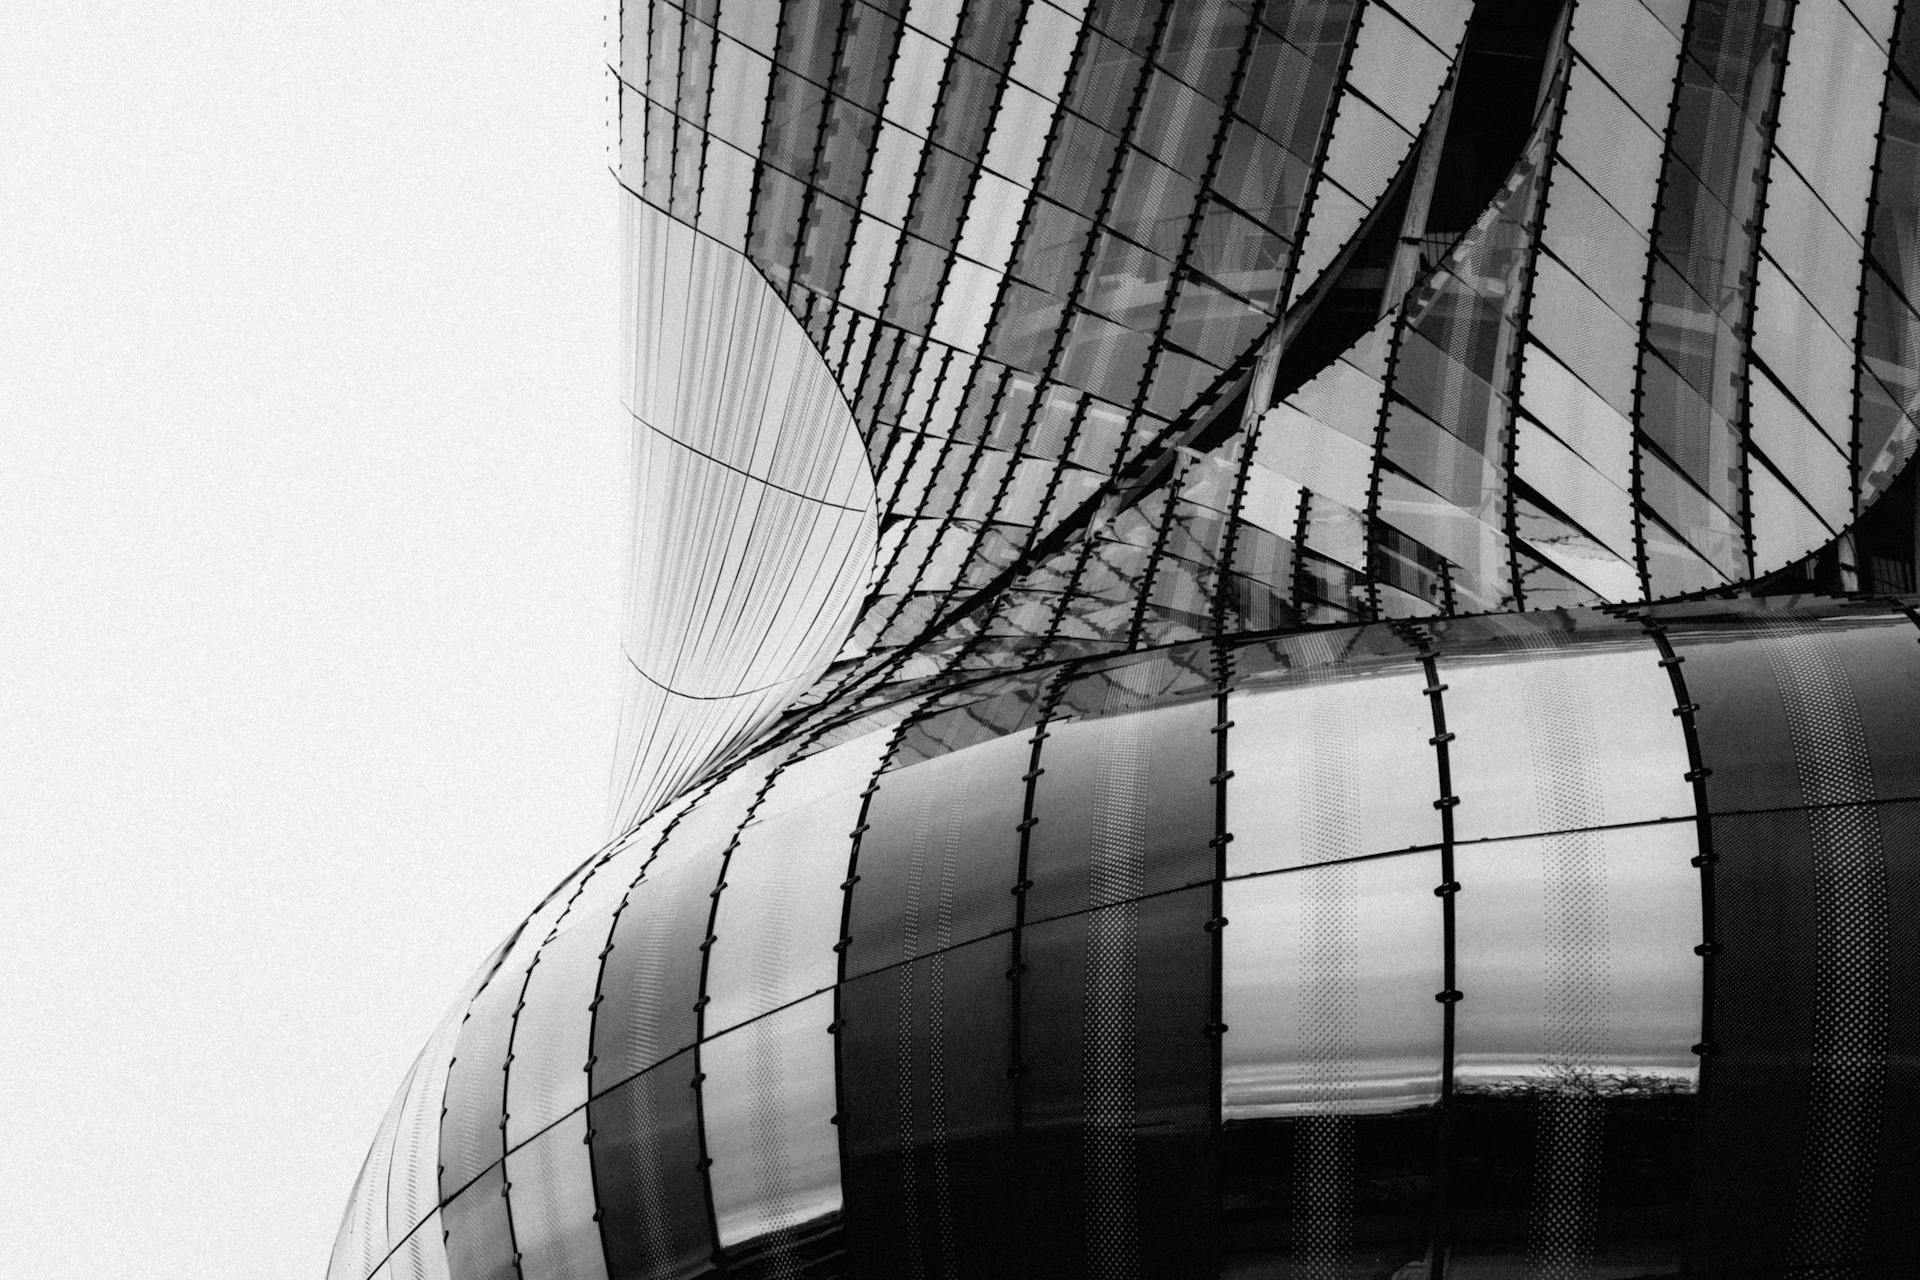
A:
753, 509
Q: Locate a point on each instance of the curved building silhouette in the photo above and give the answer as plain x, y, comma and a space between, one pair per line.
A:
1267, 638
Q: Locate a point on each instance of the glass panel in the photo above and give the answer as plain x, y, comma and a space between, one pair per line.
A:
1863, 675
917, 71
479, 1236
1453, 468
1672, 565
1780, 1033
1611, 147
780, 908
1574, 1073
1181, 674
1176, 124
1124, 806
993, 221
930, 1124
362, 1240
1366, 151
1441, 21
1633, 53
651, 977
555, 1217
869, 263
1462, 536
1395, 67
1336, 216
1572, 569
940, 854
1312, 454
1118, 1087
751, 22
834, 771
1888, 1221
1810, 359
476, 1084
896, 159
1830, 105
1563, 478
1587, 424
646, 1164
1811, 716
1047, 39
1555, 741
1580, 331
966, 305
1332, 1057
1331, 769
1596, 243
709, 824
1330, 974
1344, 397
1708, 528
938, 18
1821, 258
768, 1102
548, 1077
1576, 959
1784, 529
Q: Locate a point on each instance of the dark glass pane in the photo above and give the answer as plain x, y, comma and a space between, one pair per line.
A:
1124, 807
940, 854
646, 1167
872, 38
1865, 672
1763, 1013
928, 1117
1118, 1089
1804, 718
1889, 1237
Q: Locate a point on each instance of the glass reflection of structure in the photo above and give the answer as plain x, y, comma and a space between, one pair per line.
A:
1265, 641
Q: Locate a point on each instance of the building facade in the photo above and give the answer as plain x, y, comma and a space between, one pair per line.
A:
1267, 639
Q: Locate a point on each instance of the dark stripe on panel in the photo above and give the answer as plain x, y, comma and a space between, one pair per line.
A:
929, 1123
928, 1116
646, 1158
1804, 715
646, 1151
705, 1162
1119, 1069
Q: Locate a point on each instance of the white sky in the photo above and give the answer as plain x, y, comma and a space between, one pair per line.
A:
311, 505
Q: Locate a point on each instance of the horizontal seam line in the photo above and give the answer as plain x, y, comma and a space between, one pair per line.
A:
718, 462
